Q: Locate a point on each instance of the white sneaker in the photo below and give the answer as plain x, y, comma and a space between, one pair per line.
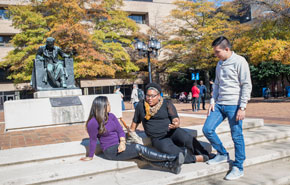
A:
218, 159
235, 174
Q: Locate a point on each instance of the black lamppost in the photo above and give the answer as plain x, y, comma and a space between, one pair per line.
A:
146, 49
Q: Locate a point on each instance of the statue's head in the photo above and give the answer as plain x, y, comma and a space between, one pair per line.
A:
50, 42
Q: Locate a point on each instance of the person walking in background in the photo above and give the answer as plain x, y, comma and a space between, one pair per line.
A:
202, 95
195, 95
231, 92
117, 91
134, 95
105, 127
189, 96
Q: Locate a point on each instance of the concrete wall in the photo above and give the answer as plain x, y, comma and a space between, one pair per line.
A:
157, 10
39, 112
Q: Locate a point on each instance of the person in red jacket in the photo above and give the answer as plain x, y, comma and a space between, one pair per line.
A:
195, 95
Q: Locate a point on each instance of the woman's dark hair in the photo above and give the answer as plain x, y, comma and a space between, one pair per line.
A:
99, 112
223, 42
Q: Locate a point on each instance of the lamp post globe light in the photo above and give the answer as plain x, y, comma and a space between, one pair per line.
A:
146, 49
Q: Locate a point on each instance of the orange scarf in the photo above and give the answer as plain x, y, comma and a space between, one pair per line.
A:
151, 111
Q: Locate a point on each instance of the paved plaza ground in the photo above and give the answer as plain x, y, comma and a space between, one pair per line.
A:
273, 111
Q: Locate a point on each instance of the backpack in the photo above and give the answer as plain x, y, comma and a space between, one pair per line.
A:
140, 94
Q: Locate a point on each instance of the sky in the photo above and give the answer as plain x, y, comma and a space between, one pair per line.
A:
219, 2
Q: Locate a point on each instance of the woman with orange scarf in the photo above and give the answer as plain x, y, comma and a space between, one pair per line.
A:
161, 123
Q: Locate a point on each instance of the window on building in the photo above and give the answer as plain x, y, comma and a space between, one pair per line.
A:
4, 40
140, 19
98, 90
244, 15
4, 14
106, 89
91, 90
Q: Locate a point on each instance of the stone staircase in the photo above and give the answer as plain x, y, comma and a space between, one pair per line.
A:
267, 152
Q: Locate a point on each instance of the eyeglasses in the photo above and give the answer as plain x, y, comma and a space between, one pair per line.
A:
151, 96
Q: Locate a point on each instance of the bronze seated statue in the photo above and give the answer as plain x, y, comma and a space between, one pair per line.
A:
49, 71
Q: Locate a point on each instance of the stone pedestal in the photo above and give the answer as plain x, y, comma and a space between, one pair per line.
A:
57, 93
39, 112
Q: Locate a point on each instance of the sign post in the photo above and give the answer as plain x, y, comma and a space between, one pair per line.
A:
192, 76
197, 76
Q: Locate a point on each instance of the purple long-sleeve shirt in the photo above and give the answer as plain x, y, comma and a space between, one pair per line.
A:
111, 137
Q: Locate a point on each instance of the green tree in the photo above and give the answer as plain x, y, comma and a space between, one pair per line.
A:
267, 43
114, 35
267, 73
195, 24
102, 52
268, 37
33, 28
201, 22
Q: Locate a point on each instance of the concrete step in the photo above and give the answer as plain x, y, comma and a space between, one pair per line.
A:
16, 156
192, 173
58, 169
48, 169
270, 173
254, 136
52, 151
196, 130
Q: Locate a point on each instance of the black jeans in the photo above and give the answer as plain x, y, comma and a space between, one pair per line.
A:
202, 99
111, 153
176, 140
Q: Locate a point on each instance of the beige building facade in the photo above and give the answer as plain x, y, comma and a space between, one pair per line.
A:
146, 13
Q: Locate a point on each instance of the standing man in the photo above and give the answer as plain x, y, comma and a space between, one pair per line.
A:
231, 92
134, 95
202, 95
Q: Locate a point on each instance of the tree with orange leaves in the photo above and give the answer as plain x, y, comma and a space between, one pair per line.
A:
77, 25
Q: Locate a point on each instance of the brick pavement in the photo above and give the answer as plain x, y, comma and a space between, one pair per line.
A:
271, 112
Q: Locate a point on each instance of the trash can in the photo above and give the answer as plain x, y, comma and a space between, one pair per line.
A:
288, 91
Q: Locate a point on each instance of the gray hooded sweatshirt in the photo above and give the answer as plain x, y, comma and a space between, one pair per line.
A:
232, 84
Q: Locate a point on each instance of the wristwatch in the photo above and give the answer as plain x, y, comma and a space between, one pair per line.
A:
242, 108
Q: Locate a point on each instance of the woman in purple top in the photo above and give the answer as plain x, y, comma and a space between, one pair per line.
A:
105, 127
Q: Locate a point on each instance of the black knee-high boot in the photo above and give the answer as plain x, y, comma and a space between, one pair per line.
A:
171, 162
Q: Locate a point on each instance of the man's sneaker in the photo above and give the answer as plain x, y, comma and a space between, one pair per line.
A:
219, 159
235, 174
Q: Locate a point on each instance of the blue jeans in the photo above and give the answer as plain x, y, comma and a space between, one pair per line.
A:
123, 105
194, 104
135, 104
214, 120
